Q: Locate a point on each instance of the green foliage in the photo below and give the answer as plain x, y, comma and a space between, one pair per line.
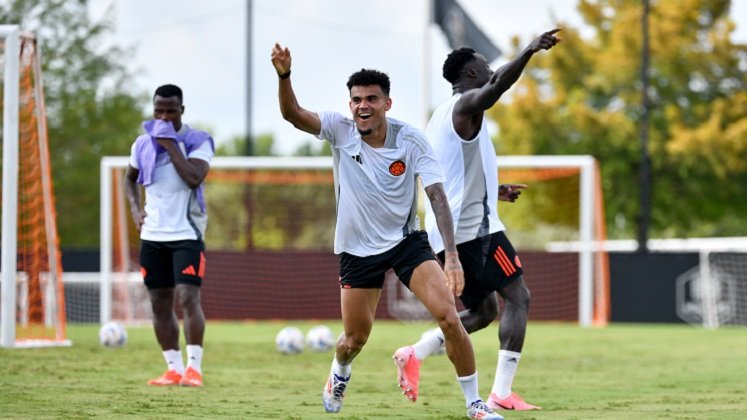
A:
293, 210
236, 146
618, 372
90, 111
584, 97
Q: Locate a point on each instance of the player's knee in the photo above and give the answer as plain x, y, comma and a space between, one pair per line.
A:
449, 323
520, 298
355, 342
188, 298
486, 315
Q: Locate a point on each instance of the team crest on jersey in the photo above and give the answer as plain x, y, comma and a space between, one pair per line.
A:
397, 168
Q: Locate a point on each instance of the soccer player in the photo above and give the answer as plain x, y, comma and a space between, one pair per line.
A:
171, 160
376, 163
458, 133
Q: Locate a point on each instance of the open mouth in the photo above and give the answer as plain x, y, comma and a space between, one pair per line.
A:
364, 116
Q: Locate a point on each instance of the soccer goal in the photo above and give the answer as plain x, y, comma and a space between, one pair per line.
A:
271, 228
32, 307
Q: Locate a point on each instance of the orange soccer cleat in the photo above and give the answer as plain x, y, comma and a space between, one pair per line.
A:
191, 378
512, 402
170, 377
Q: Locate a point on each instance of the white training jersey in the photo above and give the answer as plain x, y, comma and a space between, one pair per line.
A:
376, 188
171, 207
471, 174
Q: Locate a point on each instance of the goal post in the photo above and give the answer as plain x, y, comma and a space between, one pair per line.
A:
588, 221
10, 35
264, 210
32, 307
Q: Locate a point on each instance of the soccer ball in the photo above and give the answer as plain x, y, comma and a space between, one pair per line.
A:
289, 340
320, 338
112, 334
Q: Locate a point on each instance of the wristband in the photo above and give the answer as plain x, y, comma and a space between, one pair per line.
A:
285, 75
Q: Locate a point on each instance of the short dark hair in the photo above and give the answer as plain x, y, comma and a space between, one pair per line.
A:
368, 77
455, 62
168, 91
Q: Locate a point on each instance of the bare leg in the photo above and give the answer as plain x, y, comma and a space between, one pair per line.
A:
480, 317
513, 325
358, 313
165, 324
429, 286
188, 297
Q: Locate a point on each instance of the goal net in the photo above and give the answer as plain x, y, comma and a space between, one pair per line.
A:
270, 235
33, 303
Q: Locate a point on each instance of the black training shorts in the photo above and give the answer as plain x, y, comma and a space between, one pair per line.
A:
166, 264
490, 263
369, 272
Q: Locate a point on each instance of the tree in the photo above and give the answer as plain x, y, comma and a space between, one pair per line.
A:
584, 98
90, 111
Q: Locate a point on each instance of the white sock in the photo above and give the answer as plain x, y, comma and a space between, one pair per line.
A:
174, 360
342, 371
508, 361
194, 357
469, 388
429, 343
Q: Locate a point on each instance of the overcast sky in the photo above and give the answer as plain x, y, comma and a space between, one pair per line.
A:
201, 46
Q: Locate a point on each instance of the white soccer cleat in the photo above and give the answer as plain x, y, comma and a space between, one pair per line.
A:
480, 411
334, 392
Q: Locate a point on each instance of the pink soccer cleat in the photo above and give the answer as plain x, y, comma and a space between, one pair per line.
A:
512, 402
408, 371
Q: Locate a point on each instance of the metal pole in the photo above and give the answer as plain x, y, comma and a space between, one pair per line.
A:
249, 150
426, 81
644, 219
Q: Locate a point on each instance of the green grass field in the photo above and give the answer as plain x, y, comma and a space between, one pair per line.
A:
618, 372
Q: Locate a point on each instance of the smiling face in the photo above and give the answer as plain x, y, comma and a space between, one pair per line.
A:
369, 105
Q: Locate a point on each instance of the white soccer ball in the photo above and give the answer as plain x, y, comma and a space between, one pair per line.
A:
289, 340
320, 338
112, 334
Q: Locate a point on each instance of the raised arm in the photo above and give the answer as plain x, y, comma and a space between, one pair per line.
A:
301, 118
468, 111
452, 265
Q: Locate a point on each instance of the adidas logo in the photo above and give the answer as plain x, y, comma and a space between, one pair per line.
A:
190, 270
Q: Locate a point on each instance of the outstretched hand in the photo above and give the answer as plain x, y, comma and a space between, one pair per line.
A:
545, 41
510, 192
281, 59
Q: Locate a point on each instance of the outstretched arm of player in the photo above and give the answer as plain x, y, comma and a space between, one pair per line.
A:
301, 118
452, 265
479, 100
132, 191
510, 192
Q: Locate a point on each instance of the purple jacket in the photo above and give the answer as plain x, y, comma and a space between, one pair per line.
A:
147, 149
